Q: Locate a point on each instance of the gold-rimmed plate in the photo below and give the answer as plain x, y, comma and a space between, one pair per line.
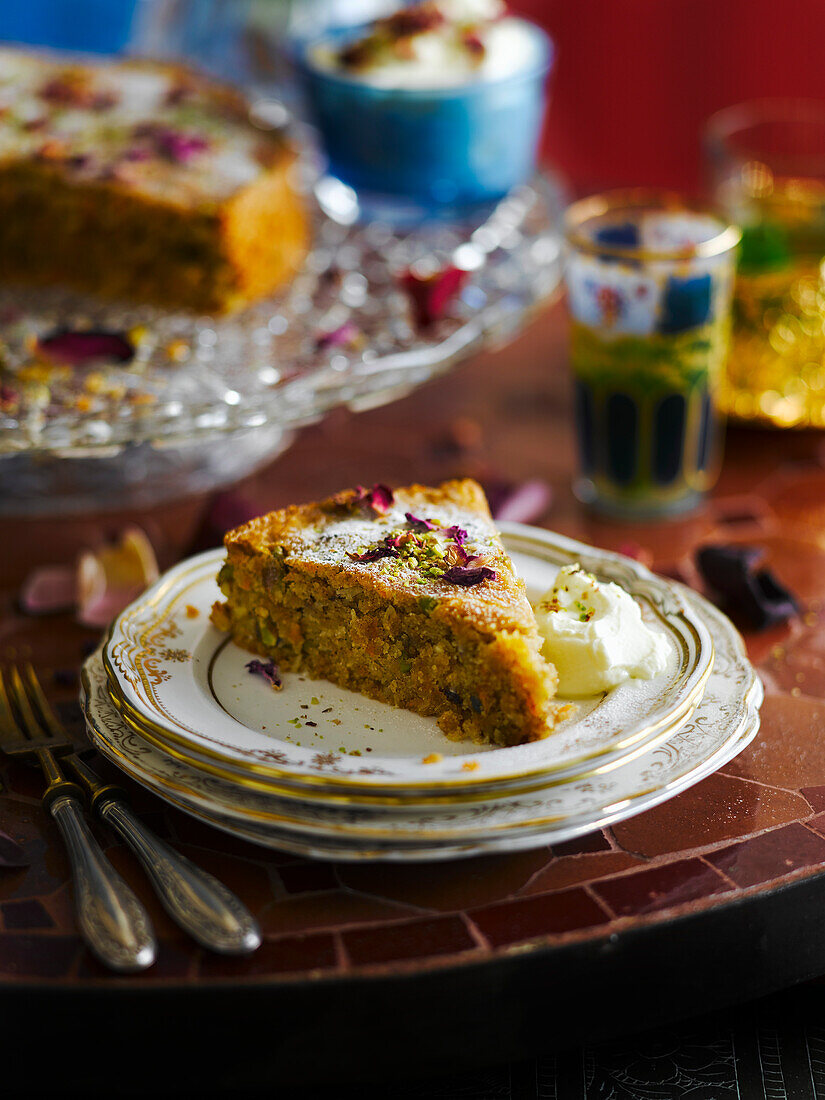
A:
181, 681
725, 720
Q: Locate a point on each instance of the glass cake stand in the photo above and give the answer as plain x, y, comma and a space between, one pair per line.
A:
170, 404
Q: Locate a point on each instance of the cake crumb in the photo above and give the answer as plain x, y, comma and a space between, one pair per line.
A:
192, 611
433, 758
469, 766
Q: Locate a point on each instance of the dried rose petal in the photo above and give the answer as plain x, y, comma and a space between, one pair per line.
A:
457, 534
49, 590
518, 503
9, 398
78, 348
11, 854
430, 295
176, 145
180, 147
751, 593
267, 670
467, 576
456, 555
420, 524
374, 555
379, 498
344, 336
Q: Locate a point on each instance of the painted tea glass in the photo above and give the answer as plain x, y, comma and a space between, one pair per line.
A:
649, 283
767, 163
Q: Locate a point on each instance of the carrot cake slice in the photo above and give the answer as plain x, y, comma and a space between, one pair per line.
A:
407, 596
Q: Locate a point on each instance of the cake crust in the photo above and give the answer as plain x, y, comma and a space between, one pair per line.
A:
416, 604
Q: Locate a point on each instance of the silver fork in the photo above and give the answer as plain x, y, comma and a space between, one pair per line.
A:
112, 921
195, 900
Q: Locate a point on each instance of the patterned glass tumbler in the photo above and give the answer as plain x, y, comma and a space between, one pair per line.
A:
649, 282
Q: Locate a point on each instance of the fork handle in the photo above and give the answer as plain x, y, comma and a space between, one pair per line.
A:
197, 901
113, 922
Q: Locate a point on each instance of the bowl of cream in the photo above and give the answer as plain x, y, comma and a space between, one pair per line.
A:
438, 105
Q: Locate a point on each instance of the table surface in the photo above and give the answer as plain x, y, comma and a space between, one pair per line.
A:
745, 849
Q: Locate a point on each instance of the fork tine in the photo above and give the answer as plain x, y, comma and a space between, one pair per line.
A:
20, 702
9, 729
48, 719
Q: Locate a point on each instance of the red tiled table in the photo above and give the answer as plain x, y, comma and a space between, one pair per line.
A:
715, 896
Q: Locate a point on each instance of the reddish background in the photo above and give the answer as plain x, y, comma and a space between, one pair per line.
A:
635, 79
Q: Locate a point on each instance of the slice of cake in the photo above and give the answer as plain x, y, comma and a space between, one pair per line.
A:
143, 182
408, 597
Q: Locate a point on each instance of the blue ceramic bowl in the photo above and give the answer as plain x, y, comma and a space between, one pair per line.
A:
440, 147
93, 26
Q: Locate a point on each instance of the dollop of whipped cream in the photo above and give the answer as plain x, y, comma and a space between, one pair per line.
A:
435, 44
595, 636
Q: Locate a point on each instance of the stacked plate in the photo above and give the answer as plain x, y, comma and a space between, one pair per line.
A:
321, 771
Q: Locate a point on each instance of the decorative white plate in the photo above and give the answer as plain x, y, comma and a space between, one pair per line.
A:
725, 720
186, 685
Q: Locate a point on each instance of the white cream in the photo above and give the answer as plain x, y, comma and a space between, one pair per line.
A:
595, 636
438, 58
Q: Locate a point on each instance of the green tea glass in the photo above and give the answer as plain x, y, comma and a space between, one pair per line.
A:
649, 281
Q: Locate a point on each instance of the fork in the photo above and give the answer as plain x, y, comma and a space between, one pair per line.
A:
114, 924
197, 901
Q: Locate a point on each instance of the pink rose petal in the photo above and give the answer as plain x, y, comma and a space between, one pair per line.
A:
267, 670
49, 590
467, 576
523, 503
419, 524
179, 147
78, 348
430, 295
344, 336
379, 498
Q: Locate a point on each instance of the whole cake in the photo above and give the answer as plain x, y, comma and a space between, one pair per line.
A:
141, 181
406, 596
